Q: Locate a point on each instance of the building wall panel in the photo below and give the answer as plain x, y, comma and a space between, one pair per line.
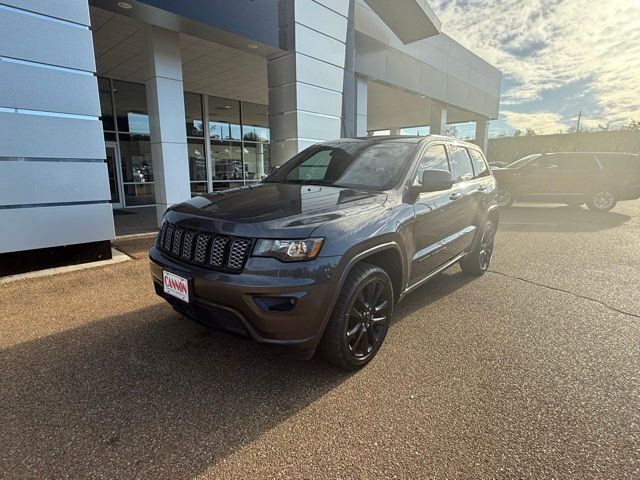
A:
53, 187
40, 136
36, 182
30, 87
37, 39
42, 227
76, 11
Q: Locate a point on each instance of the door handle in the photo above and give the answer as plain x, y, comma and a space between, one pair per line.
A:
455, 196
482, 188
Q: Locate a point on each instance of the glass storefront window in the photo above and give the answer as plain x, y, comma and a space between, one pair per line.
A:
224, 119
106, 115
137, 170
256, 160
131, 107
239, 134
193, 113
198, 189
255, 122
197, 167
226, 164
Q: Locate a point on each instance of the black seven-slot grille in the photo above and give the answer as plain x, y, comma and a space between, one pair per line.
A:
217, 252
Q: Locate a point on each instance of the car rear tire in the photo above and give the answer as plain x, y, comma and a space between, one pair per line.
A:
360, 318
477, 261
504, 198
602, 201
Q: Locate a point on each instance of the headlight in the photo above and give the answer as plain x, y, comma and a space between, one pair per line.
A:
289, 250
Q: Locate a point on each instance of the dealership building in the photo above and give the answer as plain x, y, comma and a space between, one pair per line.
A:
109, 104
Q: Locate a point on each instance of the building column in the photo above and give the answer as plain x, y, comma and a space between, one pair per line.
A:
482, 134
438, 119
361, 92
165, 102
306, 82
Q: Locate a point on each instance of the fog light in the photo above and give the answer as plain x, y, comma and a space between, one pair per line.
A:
275, 304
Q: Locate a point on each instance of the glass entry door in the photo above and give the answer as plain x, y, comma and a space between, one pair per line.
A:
113, 171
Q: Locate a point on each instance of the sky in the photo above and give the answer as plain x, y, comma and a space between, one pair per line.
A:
557, 57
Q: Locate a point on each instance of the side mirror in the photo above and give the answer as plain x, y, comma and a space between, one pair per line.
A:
435, 181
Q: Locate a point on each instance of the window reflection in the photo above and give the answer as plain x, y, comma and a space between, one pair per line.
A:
106, 108
239, 134
224, 119
226, 164
255, 122
256, 160
137, 169
193, 114
131, 107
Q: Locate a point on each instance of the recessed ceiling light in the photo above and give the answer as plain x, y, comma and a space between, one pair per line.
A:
252, 46
125, 5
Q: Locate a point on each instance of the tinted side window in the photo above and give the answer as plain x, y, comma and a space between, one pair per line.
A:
620, 162
435, 158
479, 163
313, 168
461, 169
572, 162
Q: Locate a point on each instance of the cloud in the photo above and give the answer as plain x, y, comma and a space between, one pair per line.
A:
541, 122
543, 45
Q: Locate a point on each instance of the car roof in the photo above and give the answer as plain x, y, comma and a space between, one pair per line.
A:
408, 139
590, 153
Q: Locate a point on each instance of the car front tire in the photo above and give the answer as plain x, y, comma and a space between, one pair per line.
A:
360, 319
602, 201
477, 261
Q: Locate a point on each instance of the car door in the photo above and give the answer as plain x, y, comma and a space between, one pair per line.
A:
534, 180
560, 177
483, 185
434, 219
464, 196
575, 175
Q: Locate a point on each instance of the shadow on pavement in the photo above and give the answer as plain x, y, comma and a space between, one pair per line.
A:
144, 394
150, 394
558, 219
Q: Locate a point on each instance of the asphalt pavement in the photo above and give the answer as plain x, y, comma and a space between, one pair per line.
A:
532, 370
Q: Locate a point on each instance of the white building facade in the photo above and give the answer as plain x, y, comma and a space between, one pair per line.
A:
108, 104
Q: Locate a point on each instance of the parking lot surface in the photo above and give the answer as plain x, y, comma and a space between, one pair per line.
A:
529, 371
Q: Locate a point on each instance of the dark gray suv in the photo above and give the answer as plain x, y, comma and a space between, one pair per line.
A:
319, 253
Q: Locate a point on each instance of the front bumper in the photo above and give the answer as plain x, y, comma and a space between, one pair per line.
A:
228, 301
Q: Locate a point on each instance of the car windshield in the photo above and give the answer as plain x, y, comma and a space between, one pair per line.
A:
366, 165
522, 161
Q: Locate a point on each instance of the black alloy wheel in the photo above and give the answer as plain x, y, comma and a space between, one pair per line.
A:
360, 319
367, 324
477, 261
486, 247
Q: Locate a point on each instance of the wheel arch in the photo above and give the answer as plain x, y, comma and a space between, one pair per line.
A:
389, 260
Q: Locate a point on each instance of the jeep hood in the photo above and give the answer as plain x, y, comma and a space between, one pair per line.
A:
271, 210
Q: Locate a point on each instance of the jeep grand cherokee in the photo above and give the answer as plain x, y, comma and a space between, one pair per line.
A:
321, 251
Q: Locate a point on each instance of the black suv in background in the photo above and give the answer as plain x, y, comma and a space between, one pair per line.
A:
598, 179
321, 251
